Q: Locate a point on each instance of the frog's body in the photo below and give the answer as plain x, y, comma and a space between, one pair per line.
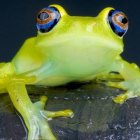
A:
69, 55
64, 65
67, 48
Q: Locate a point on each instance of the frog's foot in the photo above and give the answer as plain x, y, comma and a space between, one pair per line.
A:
131, 87
120, 98
40, 121
33, 114
51, 114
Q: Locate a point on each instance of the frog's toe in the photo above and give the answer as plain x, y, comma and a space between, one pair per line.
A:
41, 104
123, 97
115, 85
53, 114
120, 99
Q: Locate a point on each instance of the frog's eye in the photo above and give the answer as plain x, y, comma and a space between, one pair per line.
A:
47, 18
118, 22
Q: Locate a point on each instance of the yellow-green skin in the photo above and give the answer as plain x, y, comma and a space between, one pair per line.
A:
76, 49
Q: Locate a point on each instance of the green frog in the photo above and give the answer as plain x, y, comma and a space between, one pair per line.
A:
66, 49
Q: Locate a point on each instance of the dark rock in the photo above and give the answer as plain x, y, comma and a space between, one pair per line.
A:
96, 117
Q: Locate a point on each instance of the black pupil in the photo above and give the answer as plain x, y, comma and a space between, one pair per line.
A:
43, 16
124, 20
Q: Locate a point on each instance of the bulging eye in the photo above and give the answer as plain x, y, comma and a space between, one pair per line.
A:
47, 18
118, 22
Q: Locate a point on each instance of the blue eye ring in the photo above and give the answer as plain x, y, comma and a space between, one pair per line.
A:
118, 22
47, 18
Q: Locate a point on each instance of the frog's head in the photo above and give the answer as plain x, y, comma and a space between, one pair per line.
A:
88, 38
57, 29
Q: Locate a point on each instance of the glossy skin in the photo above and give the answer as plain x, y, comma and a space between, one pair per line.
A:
76, 49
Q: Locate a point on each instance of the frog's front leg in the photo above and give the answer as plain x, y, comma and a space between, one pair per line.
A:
34, 115
131, 82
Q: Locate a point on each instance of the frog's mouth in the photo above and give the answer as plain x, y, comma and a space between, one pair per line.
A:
87, 42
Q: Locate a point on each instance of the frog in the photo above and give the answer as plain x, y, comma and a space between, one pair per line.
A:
68, 49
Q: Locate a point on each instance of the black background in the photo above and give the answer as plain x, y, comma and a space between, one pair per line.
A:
18, 22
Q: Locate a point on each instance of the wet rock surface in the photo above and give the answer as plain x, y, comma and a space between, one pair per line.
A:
96, 116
